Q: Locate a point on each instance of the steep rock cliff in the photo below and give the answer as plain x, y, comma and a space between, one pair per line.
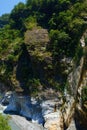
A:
75, 106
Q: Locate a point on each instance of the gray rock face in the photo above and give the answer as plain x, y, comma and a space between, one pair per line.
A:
37, 36
74, 78
26, 125
6, 99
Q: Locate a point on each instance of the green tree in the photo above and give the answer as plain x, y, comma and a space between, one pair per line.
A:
4, 19
17, 16
30, 22
59, 41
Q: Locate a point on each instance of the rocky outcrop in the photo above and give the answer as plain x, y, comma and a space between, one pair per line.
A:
72, 126
74, 78
26, 125
68, 111
71, 91
37, 38
54, 121
73, 109
37, 41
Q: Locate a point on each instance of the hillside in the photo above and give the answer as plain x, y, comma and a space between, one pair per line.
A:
43, 46
63, 21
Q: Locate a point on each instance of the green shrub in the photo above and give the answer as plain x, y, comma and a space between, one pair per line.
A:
30, 22
60, 41
33, 85
11, 57
4, 124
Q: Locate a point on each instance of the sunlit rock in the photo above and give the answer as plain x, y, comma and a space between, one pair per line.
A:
54, 121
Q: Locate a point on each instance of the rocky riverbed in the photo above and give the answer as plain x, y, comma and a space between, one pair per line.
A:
40, 113
32, 114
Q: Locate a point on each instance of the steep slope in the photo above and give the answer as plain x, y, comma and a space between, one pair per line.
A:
43, 54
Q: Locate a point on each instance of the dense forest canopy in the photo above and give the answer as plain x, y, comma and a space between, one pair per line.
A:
4, 19
65, 20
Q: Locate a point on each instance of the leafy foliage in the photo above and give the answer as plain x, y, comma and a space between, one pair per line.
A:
60, 42
33, 85
30, 22
63, 18
4, 123
4, 19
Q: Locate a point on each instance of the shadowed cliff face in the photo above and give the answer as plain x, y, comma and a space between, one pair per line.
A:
81, 108
24, 68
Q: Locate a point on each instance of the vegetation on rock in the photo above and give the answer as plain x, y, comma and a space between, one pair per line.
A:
29, 56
